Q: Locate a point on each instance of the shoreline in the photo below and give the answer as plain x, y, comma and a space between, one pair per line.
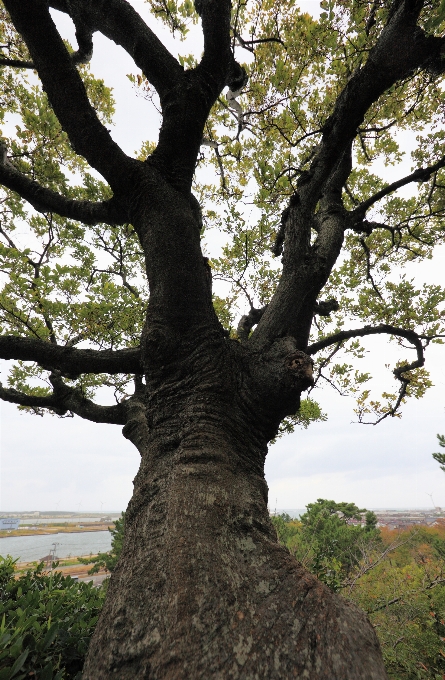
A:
49, 531
67, 567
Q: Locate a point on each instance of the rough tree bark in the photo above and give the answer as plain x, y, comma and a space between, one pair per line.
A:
203, 590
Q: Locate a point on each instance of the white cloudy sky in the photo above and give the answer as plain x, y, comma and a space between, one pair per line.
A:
51, 463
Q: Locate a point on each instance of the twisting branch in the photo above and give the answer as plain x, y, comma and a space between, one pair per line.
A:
411, 336
88, 136
249, 43
419, 175
399, 372
66, 399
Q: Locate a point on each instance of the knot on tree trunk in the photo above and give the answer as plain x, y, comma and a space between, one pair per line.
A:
279, 376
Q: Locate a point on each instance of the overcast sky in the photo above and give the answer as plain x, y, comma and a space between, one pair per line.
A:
51, 463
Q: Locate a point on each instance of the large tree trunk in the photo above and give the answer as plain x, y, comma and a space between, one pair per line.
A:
203, 589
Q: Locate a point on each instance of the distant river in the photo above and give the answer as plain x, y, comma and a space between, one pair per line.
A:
30, 548
65, 520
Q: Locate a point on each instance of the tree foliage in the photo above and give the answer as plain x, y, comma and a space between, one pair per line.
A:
440, 457
302, 167
396, 577
73, 267
330, 539
46, 622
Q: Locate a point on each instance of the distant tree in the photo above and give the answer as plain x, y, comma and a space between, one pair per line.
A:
286, 527
330, 542
440, 457
108, 560
404, 596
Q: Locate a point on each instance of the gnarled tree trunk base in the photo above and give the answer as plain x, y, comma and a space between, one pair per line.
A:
204, 592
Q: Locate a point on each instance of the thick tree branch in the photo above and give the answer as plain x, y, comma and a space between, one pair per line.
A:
16, 63
47, 200
331, 217
186, 108
82, 55
67, 93
401, 48
136, 428
119, 21
289, 312
248, 321
217, 58
66, 399
68, 360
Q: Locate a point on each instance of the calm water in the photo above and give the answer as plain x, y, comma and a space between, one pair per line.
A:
30, 548
62, 520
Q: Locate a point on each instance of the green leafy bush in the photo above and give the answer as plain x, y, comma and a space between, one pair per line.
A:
46, 622
326, 539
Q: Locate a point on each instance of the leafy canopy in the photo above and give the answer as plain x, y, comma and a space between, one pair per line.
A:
329, 538
69, 283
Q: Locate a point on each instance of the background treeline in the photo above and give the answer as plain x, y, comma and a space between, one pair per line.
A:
397, 577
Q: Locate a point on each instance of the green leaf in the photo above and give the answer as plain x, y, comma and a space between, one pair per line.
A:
50, 636
47, 672
18, 664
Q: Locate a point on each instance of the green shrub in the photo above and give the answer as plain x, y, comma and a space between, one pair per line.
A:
46, 623
109, 559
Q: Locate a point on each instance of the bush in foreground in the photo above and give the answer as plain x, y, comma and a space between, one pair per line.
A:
46, 622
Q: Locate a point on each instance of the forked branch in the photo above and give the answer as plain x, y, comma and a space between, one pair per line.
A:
66, 91
119, 21
419, 175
